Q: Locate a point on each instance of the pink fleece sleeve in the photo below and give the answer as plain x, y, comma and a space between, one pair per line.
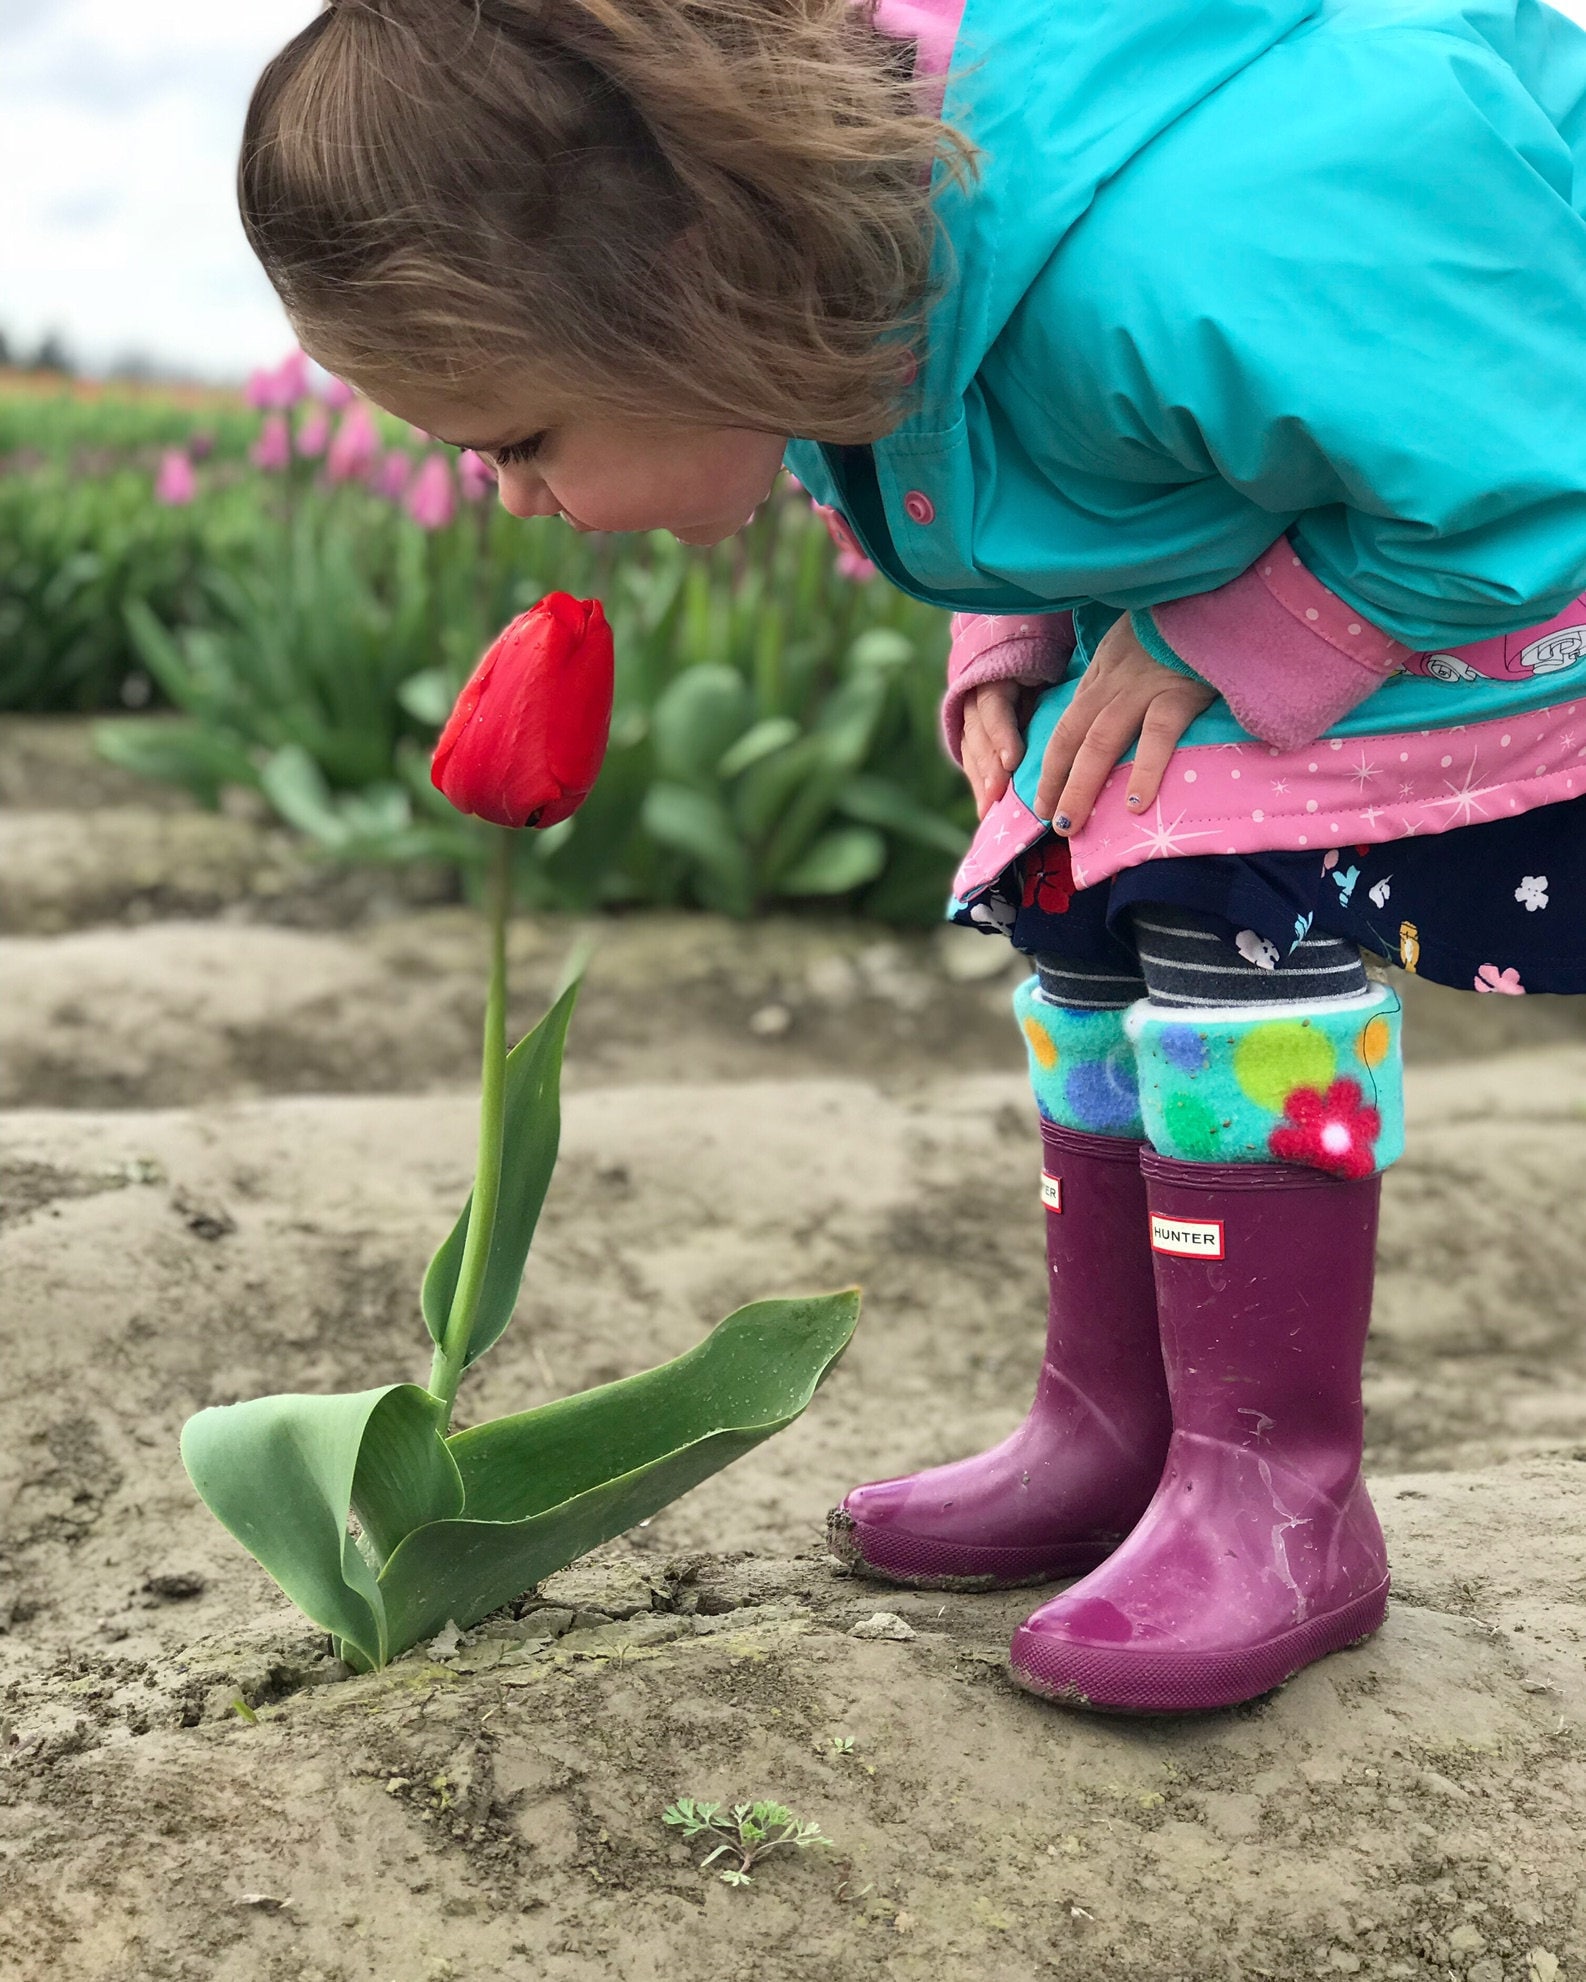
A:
1035, 650
1287, 656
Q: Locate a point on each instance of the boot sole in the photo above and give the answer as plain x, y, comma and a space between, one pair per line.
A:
914, 1562
1104, 1680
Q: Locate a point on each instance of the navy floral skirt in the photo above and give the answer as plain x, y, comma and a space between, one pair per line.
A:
1498, 906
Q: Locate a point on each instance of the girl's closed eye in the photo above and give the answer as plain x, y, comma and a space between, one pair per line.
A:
518, 451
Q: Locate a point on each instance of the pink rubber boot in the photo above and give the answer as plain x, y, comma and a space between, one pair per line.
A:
1260, 1551
1071, 1482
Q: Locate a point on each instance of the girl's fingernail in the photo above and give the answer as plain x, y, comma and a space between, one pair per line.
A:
1062, 822
1133, 799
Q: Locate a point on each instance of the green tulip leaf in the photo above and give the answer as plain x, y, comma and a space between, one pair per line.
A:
882, 647
296, 786
848, 718
765, 739
766, 788
697, 825
447, 1530
531, 1132
162, 655
284, 1473
546, 1486
697, 717
428, 695
407, 1475
203, 761
845, 858
878, 802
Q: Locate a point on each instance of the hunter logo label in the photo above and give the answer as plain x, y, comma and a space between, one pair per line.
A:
1187, 1238
1051, 1192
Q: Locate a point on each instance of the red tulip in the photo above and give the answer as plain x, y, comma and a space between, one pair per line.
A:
524, 744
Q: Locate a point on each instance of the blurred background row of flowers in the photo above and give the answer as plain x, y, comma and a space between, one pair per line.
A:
287, 587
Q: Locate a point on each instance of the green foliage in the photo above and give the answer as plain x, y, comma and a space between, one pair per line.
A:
89, 428
748, 1832
774, 736
448, 1529
76, 553
384, 1529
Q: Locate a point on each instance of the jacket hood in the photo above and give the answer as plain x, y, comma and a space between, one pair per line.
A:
1059, 96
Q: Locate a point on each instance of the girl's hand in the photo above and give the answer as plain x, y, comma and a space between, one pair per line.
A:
993, 744
1122, 695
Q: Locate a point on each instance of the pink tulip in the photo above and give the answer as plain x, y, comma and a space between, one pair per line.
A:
272, 451
856, 566
354, 450
851, 560
313, 434
176, 485
278, 388
292, 379
390, 476
475, 476
432, 500
338, 395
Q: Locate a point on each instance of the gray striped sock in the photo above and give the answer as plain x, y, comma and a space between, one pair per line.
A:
1088, 987
1188, 961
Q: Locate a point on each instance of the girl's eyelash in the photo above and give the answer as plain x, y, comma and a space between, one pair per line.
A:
519, 450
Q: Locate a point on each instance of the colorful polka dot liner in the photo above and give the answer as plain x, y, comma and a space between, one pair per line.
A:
1082, 1065
1319, 1085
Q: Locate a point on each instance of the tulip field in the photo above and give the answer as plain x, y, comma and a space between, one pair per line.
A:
292, 1711
281, 595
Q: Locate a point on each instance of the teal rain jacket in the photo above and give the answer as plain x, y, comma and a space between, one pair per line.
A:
1236, 267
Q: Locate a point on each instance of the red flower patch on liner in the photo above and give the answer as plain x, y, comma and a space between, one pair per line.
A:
1336, 1131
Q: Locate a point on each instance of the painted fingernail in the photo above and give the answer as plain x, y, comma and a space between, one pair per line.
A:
1133, 799
1062, 822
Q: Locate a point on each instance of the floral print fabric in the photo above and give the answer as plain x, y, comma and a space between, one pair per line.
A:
1497, 907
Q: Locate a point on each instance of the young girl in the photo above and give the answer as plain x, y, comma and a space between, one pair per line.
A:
1221, 366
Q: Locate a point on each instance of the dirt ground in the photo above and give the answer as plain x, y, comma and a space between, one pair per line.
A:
239, 1117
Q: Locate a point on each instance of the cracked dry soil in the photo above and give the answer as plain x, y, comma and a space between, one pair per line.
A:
234, 1139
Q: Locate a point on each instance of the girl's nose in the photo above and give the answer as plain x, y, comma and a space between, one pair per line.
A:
523, 493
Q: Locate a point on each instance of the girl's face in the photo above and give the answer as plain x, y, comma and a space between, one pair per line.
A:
701, 484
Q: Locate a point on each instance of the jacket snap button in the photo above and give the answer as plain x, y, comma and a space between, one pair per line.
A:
918, 507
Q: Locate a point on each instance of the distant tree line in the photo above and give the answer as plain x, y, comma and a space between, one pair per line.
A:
49, 355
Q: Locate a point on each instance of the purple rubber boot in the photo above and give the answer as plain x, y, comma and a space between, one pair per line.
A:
1071, 1482
1260, 1551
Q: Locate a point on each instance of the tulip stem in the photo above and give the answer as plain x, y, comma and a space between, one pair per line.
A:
451, 1355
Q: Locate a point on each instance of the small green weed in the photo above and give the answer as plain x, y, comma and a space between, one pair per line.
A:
750, 1831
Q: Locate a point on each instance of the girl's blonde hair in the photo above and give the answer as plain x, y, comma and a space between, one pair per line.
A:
716, 210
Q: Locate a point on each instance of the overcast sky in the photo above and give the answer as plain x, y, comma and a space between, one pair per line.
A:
119, 122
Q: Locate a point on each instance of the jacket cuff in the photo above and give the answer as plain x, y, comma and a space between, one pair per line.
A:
986, 647
1145, 631
1288, 656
